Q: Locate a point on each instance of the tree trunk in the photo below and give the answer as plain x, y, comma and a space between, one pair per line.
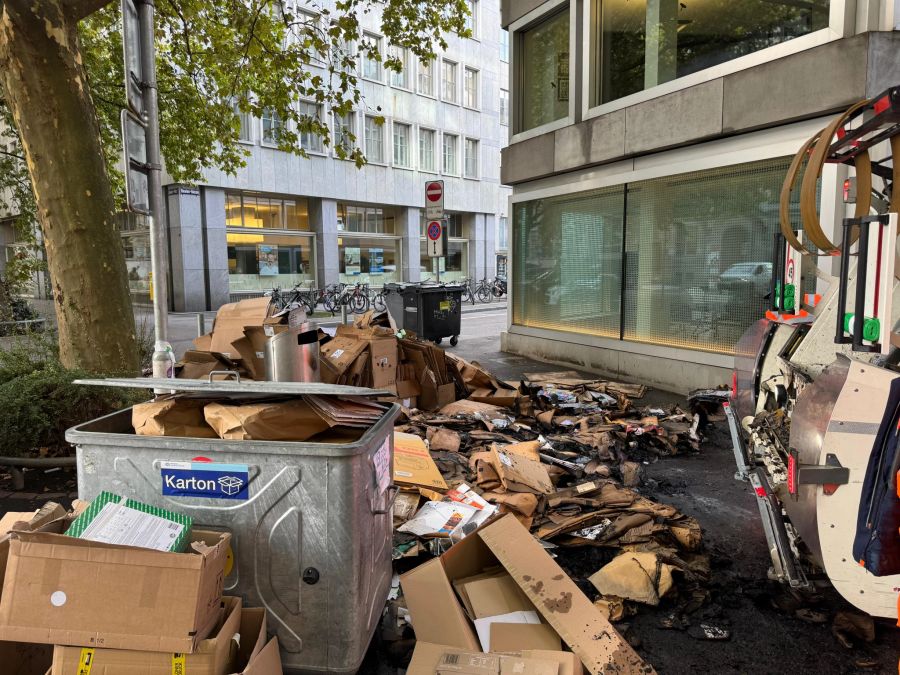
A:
46, 88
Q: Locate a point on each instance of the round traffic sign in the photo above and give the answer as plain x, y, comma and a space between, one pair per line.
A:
434, 191
434, 230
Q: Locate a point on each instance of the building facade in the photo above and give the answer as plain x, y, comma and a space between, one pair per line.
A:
649, 140
286, 219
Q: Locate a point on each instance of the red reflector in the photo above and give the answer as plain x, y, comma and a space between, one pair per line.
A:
792, 474
882, 104
734, 384
760, 491
847, 190
841, 132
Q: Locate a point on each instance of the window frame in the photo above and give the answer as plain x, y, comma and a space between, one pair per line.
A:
435, 169
409, 166
382, 161
504, 45
475, 6
841, 23
456, 172
504, 119
477, 74
456, 96
516, 75
320, 111
353, 129
250, 126
434, 93
262, 130
364, 58
404, 56
465, 168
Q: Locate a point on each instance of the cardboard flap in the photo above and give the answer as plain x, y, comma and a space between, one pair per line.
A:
253, 634
267, 662
580, 624
437, 616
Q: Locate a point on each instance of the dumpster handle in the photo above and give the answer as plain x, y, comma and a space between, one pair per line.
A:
226, 373
390, 504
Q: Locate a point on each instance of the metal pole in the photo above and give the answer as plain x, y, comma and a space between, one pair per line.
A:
201, 324
158, 250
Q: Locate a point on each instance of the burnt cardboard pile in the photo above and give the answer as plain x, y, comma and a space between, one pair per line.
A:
76, 604
527, 498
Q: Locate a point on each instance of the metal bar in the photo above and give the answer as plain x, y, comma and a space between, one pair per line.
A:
859, 304
773, 282
158, 249
776, 533
821, 474
201, 324
839, 335
737, 444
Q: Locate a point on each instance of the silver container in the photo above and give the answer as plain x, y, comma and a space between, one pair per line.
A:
312, 539
293, 356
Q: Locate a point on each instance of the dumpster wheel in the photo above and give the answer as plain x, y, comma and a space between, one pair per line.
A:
454, 340
438, 340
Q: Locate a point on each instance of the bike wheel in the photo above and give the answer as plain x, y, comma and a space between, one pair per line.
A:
496, 290
484, 294
467, 295
359, 303
378, 303
330, 303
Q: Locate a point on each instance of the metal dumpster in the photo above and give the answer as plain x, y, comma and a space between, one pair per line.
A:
311, 534
432, 311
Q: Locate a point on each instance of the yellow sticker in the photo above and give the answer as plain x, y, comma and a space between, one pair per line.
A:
86, 661
229, 561
445, 305
178, 664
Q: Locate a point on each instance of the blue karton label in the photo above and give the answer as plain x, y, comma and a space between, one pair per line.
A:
205, 479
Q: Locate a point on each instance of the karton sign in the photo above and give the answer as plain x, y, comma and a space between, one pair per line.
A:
205, 479
434, 200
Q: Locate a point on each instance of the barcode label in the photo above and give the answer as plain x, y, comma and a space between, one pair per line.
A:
451, 659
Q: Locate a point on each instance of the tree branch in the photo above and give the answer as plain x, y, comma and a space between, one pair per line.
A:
81, 9
12, 154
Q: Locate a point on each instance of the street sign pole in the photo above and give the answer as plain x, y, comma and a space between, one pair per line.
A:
158, 249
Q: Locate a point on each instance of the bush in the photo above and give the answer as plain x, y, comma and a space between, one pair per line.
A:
38, 400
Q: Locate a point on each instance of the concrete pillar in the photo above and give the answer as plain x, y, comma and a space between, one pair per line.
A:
186, 259
661, 41
408, 228
490, 245
323, 221
476, 245
218, 291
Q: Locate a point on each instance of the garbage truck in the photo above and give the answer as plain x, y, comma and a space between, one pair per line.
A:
814, 406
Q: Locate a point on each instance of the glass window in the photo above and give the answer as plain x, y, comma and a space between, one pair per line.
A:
271, 127
296, 215
344, 133
504, 45
471, 158
310, 141
270, 213
503, 233
374, 261
402, 133
545, 71
308, 28
400, 79
245, 132
374, 140
642, 43
504, 106
452, 221
449, 165
426, 78
266, 212
454, 266
568, 269
259, 262
470, 88
371, 57
233, 214
472, 17
368, 219
426, 150
448, 82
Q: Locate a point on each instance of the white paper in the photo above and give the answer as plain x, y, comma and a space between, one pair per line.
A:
439, 519
483, 625
382, 461
119, 524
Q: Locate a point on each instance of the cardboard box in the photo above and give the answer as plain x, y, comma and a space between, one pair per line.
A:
413, 464
231, 320
510, 637
438, 616
62, 590
567, 662
427, 657
468, 664
383, 357
216, 655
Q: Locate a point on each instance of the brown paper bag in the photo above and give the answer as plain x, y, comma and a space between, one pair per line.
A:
171, 417
283, 421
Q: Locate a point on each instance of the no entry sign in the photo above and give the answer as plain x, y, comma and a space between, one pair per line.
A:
434, 200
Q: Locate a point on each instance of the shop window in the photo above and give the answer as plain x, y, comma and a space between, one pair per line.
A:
272, 213
639, 44
368, 219
544, 52
453, 267
259, 262
373, 261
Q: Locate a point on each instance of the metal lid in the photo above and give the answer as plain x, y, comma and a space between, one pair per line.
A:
235, 386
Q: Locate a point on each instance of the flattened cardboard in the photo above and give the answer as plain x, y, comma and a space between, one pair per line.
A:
519, 474
214, 656
197, 365
383, 356
496, 595
438, 617
231, 320
567, 661
510, 637
517, 665
60, 590
266, 662
341, 352
293, 420
413, 464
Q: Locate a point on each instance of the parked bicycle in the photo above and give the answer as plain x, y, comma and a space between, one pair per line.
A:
353, 297
498, 286
292, 299
484, 291
376, 298
468, 295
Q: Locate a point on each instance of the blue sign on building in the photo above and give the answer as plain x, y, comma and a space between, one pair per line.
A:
205, 479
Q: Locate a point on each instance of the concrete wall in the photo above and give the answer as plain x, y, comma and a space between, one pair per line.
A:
808, 84
515, 9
